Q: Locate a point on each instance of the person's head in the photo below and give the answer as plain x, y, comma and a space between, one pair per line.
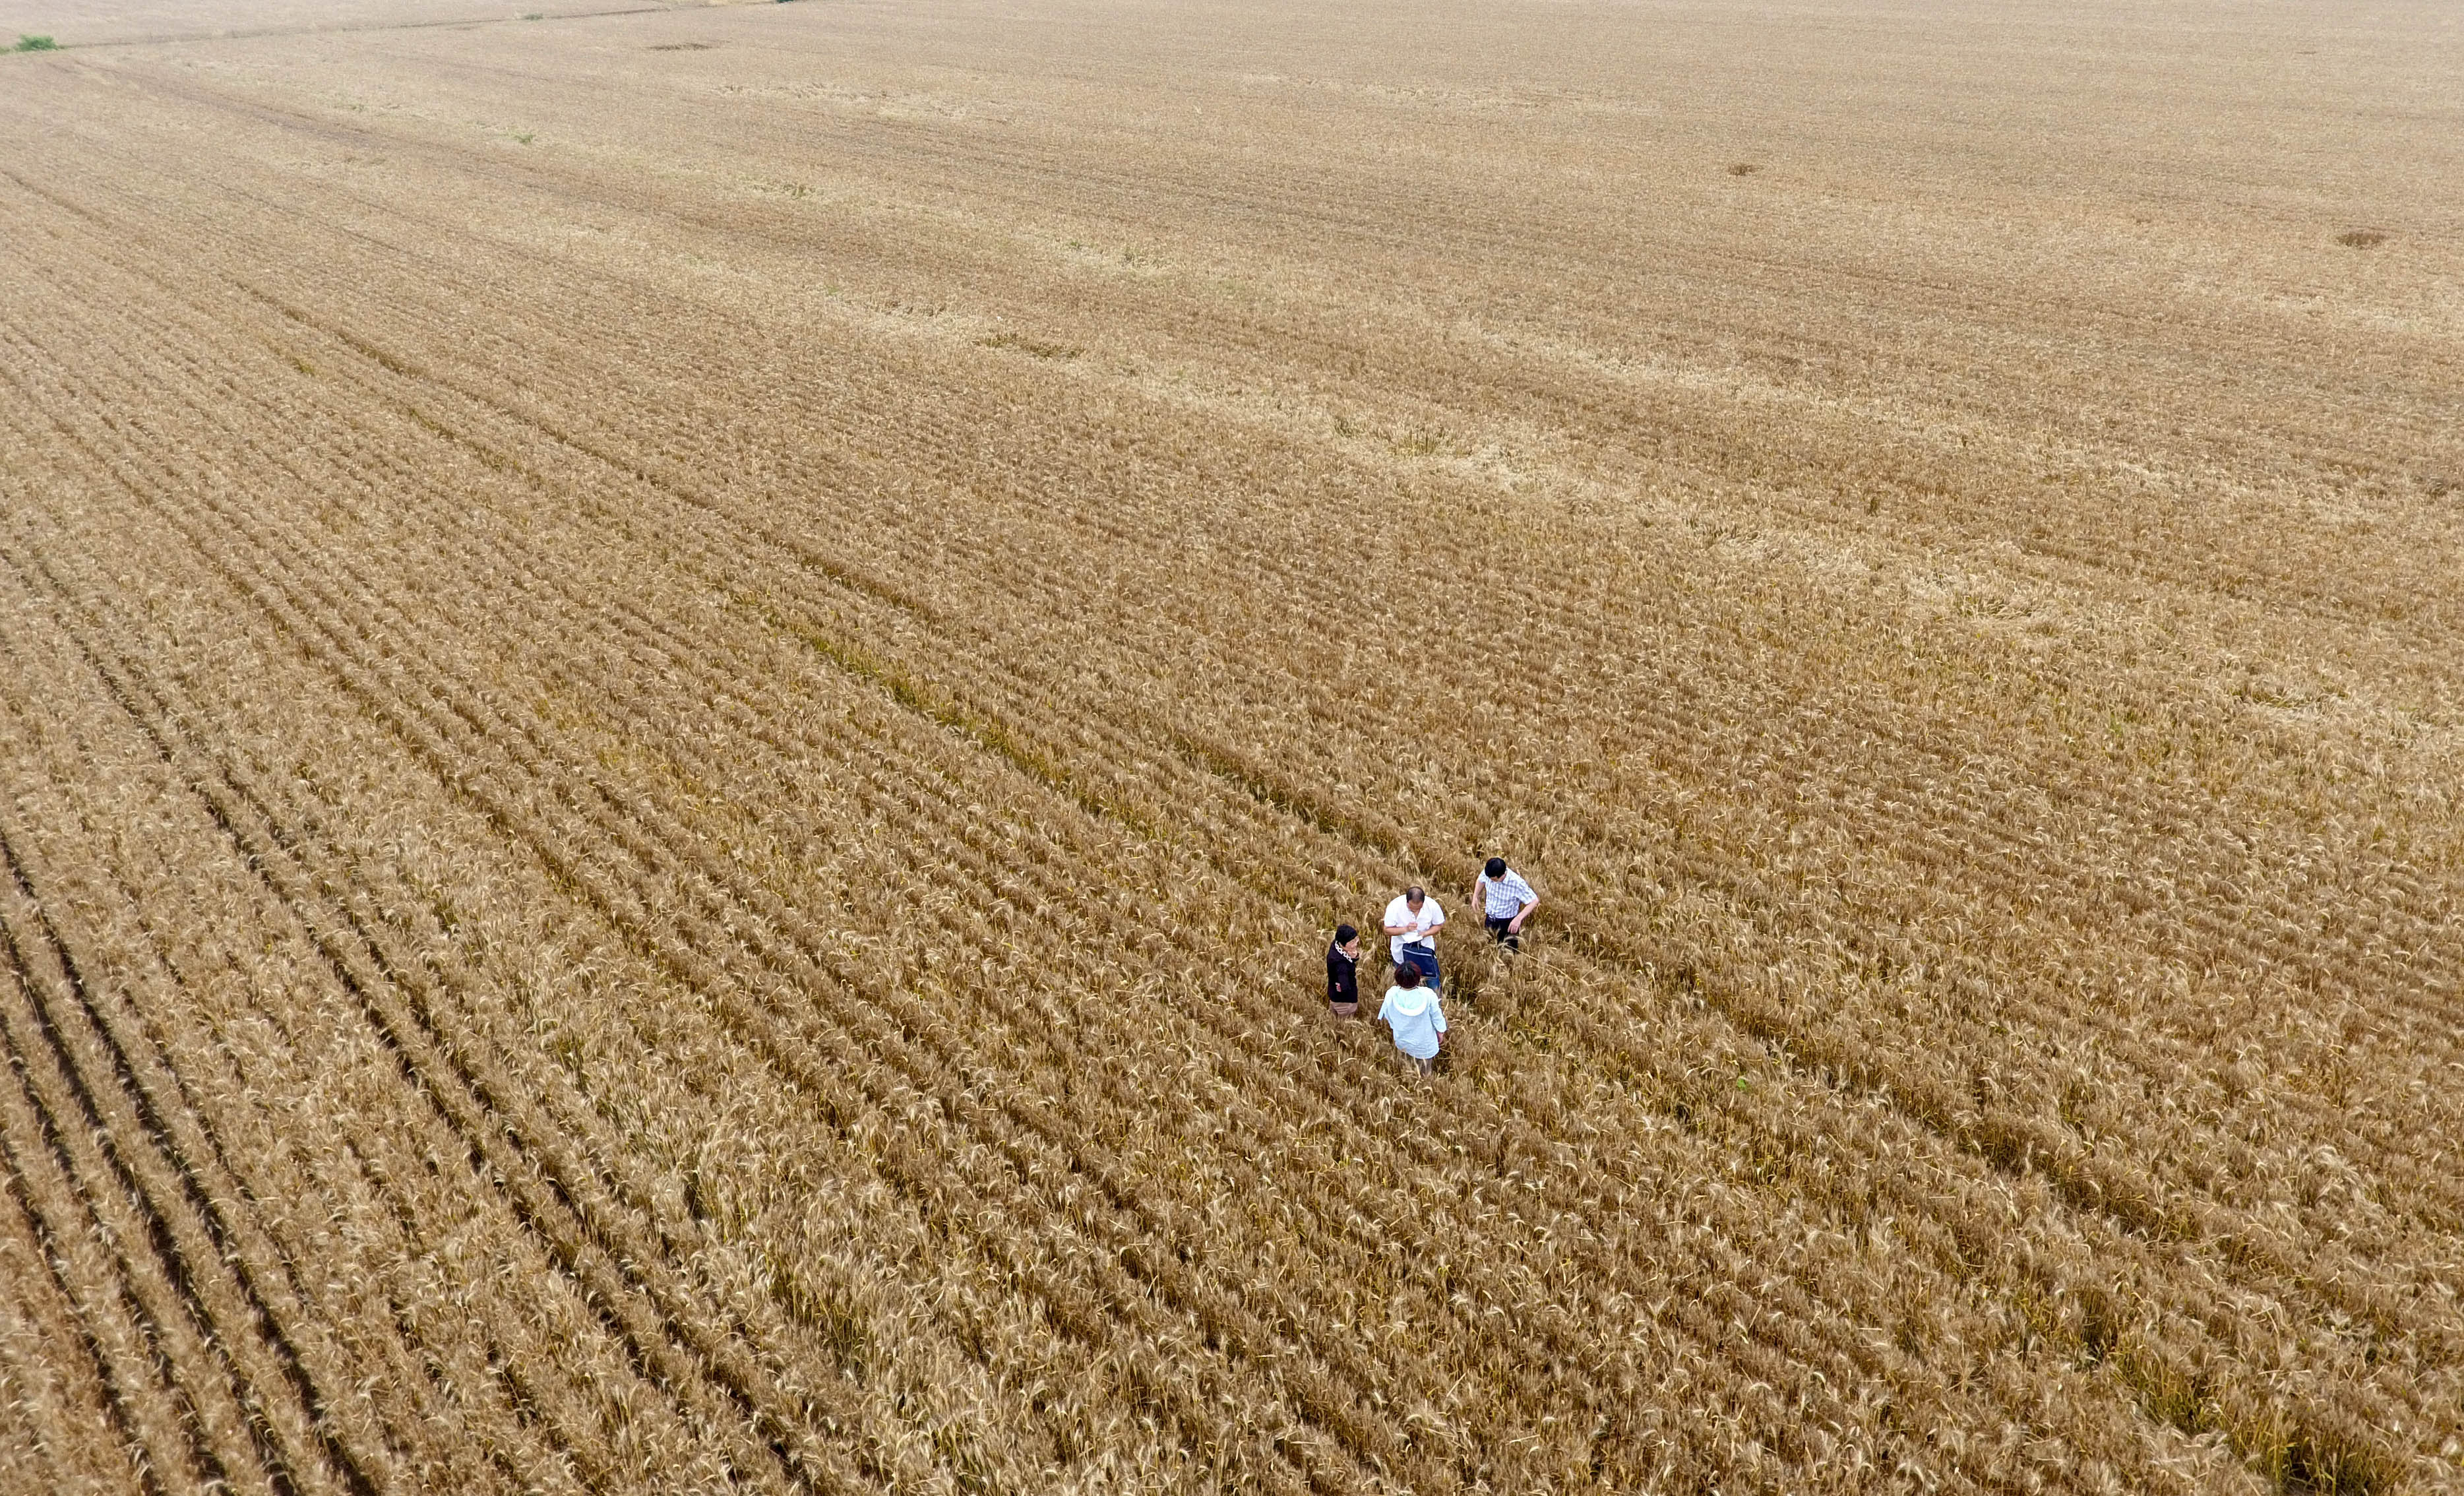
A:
1407, 977
1413, 896
1496, 868
1345, 935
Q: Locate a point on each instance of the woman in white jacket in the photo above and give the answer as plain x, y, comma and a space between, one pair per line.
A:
1420, 1024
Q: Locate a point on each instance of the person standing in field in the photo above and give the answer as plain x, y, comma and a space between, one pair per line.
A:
1413, 1012
1505, 901
1343, 973
1413, 921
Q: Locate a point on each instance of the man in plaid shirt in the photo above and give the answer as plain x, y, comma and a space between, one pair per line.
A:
1505, 900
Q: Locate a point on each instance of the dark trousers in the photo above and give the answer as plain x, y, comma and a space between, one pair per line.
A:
1498, 932
1425, 958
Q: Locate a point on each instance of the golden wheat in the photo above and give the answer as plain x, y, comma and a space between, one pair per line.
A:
683, 696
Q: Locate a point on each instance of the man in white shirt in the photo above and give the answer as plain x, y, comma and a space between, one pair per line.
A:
1505, 901
1412, 925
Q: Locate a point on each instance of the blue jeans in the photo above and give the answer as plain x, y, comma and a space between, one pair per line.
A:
1425, 956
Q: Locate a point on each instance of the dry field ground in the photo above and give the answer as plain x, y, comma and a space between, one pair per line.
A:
683, 693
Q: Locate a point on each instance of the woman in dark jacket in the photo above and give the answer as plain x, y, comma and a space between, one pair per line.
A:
1343, 973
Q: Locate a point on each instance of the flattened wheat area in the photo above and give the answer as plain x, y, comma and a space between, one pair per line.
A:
716, 724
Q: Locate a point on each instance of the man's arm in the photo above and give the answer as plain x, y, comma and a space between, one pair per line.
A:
1530, 902
1480, 893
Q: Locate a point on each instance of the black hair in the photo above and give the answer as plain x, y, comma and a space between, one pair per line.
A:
1407, 977
1345, 935
1496, 868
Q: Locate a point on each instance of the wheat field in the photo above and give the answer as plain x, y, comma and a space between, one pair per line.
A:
685, 695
